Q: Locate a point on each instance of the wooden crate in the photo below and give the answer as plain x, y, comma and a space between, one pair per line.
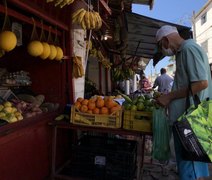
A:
99, 120
137, 120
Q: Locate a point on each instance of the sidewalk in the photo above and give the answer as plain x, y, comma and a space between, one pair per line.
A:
157, 171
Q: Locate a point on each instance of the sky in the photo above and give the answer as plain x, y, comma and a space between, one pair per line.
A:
174, 11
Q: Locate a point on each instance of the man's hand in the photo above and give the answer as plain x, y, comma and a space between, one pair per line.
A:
197, 86
164, 100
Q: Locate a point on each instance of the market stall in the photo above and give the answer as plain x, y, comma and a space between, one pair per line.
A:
36, 87
33, 88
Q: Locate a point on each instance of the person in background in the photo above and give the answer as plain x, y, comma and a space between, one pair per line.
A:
192, 68
145, 85
163, 82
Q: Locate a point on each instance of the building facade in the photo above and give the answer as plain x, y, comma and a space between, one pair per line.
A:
202, 29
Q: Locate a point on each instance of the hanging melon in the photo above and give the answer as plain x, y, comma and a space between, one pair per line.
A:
59, 55
8, 40
46, 51
35, 48
53, 52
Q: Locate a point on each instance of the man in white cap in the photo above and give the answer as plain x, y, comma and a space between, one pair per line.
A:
192, 68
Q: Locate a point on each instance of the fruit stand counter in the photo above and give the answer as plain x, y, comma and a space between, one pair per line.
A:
62, 125
26, 148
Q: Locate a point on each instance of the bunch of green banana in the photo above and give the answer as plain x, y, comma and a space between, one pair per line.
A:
105, 62
122, 74
87, 19
61, 3
89, 45
93, 52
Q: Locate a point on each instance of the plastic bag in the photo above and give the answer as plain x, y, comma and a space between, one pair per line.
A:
194, 131
161, 135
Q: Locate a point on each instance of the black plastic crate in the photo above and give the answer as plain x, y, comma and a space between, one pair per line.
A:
104, 158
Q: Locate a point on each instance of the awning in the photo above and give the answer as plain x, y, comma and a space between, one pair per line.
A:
141, 35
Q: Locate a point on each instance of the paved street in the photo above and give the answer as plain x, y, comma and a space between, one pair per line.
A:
157, 171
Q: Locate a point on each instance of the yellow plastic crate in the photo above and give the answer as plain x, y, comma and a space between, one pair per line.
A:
98, 120
137, 120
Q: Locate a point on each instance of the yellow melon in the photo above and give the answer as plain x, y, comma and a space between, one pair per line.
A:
46, 51
59, 55
8, 40
53, 52
35, 48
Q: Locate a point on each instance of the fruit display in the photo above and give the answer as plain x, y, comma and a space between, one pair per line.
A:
97, 105
60, 3
87, 19
97, 111
140, 103
9, 112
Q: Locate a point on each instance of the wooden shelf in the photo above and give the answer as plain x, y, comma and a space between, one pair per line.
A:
29, 20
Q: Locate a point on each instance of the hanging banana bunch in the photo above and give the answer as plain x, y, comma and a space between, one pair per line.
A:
93, 52
105, 62
78, 70
61, 3
120, 74
87, 19
89, 45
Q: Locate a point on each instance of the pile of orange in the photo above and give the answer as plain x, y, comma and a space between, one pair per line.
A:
97, 105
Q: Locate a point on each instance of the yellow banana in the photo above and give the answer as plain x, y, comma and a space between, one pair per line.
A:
70, 2
81, 16
100, 55
76, 13
83, 24
65, 2
92, 20
99, 20
58, 2
87, 20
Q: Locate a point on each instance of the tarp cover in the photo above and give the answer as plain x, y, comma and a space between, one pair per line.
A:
141, 35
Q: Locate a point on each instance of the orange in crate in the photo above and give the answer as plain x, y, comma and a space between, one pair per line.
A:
96, 111
96, 120
77, 104
109, 103
104, 110
91, 105
100, 102
80, 99
84, 108
84, 102
115, 109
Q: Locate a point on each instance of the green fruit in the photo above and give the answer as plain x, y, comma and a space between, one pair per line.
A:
140, 106
147, 97
141, 98
127, 106
134, 101
133, 107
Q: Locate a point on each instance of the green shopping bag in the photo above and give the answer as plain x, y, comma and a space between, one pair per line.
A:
194, 130
161, 135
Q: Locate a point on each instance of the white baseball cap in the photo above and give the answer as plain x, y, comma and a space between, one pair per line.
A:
165, 31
